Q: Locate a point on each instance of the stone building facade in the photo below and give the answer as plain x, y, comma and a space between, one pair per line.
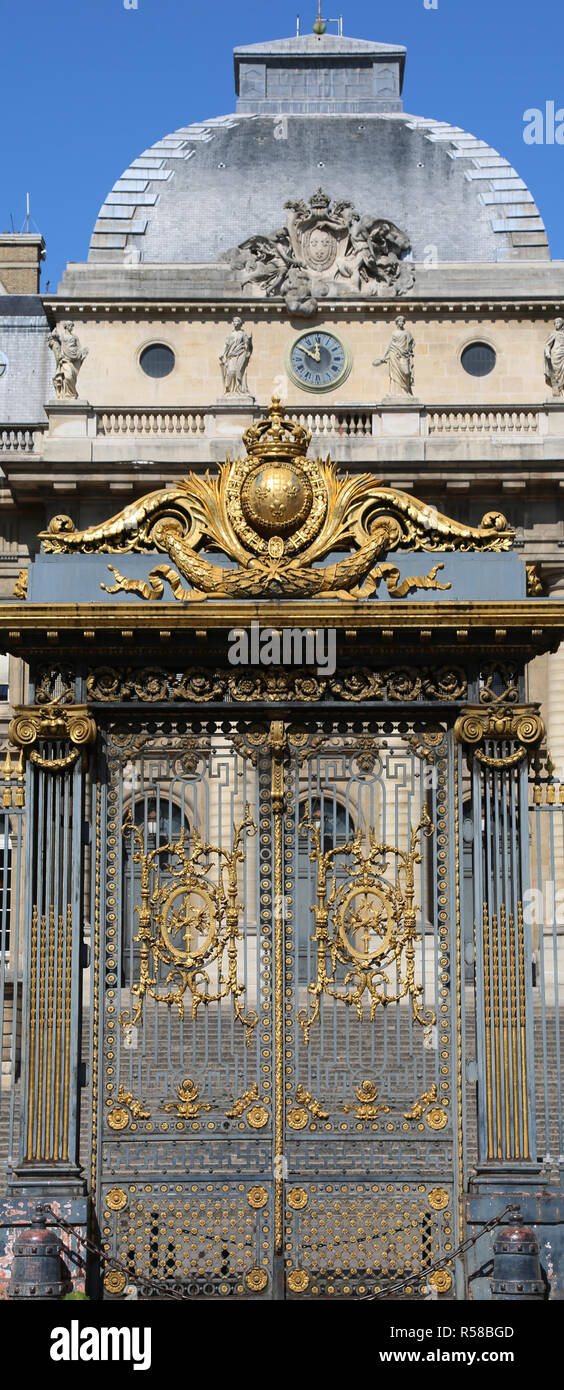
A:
386, 276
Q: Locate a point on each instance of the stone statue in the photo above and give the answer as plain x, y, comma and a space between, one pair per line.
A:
69, 356
399, 358
235, 359
325, 248
554, 359
297, 293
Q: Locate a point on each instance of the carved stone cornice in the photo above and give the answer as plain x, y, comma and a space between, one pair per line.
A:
519, 725
52, 723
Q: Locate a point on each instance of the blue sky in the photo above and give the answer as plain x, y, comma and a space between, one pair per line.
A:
87, 85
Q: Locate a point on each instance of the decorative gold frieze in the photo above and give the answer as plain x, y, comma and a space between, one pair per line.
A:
276, 513
401, 684
517, 724
367, 923
188, 923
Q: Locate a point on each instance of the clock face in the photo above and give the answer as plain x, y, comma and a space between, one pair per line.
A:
318, 361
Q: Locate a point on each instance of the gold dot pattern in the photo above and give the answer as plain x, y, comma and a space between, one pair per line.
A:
363, 1240
203, 1237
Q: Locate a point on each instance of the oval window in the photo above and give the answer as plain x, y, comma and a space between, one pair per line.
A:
157, 360
478, 359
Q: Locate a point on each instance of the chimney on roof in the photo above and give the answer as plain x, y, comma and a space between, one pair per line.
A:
21, 254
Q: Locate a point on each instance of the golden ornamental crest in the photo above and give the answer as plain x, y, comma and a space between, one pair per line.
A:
276, 514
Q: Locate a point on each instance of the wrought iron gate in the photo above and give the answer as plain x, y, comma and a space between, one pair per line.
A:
277, 1007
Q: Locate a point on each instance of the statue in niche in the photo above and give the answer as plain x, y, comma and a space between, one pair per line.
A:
399, 356
69, 356
554, 359
235, 359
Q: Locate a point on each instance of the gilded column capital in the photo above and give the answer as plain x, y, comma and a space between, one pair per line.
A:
33, 724
517, 724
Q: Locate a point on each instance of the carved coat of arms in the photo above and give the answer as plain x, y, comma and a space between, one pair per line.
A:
325, 247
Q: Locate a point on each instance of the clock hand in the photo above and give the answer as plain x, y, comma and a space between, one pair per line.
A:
316, 355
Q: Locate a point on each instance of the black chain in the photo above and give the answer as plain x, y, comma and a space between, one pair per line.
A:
156, 1285
465, 1245
164, 1290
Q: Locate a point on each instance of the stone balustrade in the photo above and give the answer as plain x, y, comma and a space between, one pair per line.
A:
20, 439
401, 419
479, 421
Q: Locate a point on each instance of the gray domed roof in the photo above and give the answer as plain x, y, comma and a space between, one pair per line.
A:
207, 187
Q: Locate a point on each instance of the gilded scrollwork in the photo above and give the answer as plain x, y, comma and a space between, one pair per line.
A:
53, 681
128, 1107
367, 923
242, 1103
189, 923
305, 1109
21, 584
422, 1104
426, 742
368, 1104
276, 514
499, 683
187, 1106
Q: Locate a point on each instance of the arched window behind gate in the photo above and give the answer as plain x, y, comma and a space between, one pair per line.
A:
160, 822
337, 829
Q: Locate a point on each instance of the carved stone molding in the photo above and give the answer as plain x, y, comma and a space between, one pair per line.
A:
517, 724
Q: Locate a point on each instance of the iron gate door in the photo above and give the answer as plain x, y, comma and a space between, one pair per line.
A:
277, 1009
